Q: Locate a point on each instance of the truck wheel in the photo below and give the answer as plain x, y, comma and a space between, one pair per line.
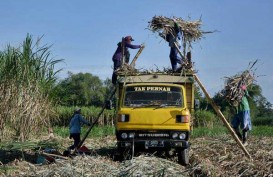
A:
122, 154
183, 156
117, 156
127, 154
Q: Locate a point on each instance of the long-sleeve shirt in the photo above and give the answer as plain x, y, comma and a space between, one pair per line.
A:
118, 53
244, 106
75, 123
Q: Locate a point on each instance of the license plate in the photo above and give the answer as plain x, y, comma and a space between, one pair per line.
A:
154, 143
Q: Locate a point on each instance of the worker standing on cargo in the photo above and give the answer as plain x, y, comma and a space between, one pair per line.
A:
242, 118
75, 127
122, 49
175, 45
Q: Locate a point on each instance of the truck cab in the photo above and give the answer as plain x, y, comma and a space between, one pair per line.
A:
154, 113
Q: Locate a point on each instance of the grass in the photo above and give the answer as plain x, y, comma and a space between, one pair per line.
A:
97, 131
260, 131
210, 132
5, 169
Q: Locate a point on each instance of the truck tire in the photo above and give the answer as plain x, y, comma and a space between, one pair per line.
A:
183, 156
117, 156
122, 154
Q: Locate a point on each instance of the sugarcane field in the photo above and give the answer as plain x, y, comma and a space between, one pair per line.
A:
146, 89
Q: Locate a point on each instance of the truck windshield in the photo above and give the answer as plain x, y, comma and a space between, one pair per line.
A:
149, 96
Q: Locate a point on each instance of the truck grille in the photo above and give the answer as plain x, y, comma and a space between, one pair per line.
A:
152, 135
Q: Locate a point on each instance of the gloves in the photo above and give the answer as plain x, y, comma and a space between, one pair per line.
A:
142, 45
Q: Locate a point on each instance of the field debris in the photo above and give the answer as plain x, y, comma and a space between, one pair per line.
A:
232, 91
149, 165
208, 157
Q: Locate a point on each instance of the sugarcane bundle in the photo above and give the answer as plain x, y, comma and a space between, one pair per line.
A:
126, 69
233, 91
191, 30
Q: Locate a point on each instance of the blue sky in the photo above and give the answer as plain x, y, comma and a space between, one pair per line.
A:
85, 33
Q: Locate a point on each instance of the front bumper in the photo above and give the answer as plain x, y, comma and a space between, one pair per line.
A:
158, 144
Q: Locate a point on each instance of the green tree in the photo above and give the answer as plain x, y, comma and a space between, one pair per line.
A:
82, 89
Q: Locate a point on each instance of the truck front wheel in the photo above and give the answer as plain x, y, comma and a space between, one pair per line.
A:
183, 156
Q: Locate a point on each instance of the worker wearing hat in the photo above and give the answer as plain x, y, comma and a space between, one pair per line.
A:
117, 57
75, 127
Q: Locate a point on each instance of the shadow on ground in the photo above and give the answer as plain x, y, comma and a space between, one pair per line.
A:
8, 156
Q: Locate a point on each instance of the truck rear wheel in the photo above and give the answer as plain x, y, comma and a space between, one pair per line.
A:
183, 156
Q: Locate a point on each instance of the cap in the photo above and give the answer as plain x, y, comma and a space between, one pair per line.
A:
77, 109
129, 38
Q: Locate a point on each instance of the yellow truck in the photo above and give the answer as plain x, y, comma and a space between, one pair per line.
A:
154, 113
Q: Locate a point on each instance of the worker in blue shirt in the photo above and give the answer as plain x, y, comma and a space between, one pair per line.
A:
117, 57
174, 39
75, 127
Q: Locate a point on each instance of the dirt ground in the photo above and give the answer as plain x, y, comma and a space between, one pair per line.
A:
208, 157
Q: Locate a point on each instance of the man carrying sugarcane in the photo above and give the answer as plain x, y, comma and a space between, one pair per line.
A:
122, 51
174, 37
242, 118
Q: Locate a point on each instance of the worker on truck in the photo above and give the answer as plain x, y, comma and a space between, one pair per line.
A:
173, 38
117, 57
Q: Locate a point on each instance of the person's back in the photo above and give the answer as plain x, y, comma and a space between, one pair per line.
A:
75, 123
75, 127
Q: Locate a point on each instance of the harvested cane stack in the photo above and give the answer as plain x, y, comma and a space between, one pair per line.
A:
191, 30
126, 69
233, 92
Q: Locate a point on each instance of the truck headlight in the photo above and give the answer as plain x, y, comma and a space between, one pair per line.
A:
182, 136
131, 135
182, 119
123, 118
124, 135
174, 135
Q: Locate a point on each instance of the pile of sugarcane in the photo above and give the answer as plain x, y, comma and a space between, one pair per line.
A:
126, 69
233, 91
191, 30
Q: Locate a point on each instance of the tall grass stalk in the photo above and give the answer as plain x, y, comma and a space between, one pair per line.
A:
26, 78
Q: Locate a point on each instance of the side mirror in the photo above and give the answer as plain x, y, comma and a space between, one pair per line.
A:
109, 105
196, 104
